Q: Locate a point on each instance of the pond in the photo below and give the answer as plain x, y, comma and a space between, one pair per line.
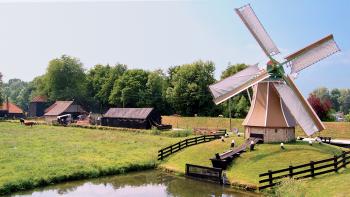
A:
149, 183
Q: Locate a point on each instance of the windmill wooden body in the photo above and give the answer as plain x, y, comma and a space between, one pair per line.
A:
277, 105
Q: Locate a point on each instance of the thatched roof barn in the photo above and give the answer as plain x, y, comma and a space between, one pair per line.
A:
63, 107
138, 118
10, 110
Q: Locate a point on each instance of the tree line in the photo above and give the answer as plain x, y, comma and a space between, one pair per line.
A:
181, 89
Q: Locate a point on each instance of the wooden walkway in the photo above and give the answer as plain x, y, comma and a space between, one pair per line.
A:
224, 159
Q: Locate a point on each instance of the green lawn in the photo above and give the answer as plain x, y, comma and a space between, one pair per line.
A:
245, 169
43, 155
333, 129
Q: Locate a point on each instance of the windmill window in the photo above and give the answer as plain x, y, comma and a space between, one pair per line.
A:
275, 130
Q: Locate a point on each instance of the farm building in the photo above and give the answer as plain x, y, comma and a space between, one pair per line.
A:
138, 118
63, 107
10, 110
37, 106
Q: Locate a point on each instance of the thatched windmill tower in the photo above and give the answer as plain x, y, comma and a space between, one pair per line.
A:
277, 104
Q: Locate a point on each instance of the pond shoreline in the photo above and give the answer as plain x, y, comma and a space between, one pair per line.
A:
145, 183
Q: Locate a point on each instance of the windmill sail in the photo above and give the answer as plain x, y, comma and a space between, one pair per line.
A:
237, 83
312, 54
252, 22
299, 107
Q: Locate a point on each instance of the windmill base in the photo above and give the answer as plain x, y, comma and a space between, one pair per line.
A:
269, 134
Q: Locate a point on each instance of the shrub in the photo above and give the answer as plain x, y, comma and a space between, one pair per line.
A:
347, 117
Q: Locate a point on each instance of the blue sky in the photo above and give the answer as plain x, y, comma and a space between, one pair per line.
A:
159, 34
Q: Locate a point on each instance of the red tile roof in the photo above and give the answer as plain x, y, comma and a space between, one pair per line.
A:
11, 108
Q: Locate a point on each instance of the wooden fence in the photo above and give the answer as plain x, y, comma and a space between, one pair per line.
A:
165, 152
203, 172
312, 169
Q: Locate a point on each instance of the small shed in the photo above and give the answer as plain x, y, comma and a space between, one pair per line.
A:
138, 118
37, 106
63, 107
10, 110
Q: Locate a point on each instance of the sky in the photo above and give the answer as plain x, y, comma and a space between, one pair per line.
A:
159, 34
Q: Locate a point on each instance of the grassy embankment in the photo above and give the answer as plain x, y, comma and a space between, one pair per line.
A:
333, 129
43, 155
245, 169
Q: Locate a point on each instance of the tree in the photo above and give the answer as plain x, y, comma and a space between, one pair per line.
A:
321, 107
188, 88
334, 97
100, 81
232, 69
38, 87
65, 79
129, 89
15, 90
239, 104
156, 92
322, 93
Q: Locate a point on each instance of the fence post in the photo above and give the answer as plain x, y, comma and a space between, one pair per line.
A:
186, 142
195, 140
312, 166
290, 171
221, 177
161, 154
344, 160
179, 145
187, 168
204, 139
171, 149
270, 177
335, 159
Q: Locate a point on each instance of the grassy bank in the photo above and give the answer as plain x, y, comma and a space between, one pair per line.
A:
45, 155
333, 129
245, 169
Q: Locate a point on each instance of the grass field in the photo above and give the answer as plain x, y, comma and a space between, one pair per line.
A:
245, 169
333, 129
46, 154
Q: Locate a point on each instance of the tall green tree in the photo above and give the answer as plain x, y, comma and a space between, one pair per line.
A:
100, 81
334, 97
16, 91
129, 89
65, 79
188, 88
114, 74
322, 93
239, 104
156, 92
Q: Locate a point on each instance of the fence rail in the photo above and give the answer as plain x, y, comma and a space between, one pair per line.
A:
203, 172
312, 169
165, 152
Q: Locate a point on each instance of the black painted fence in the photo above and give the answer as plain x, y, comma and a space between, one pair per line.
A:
203, 172
312, 169
165, 152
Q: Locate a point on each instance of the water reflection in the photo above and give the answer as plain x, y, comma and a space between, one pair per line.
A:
150, 183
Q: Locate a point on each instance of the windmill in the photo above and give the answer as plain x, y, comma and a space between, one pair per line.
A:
277, 105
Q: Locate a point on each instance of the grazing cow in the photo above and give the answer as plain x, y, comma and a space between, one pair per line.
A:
29, 123
21, 120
